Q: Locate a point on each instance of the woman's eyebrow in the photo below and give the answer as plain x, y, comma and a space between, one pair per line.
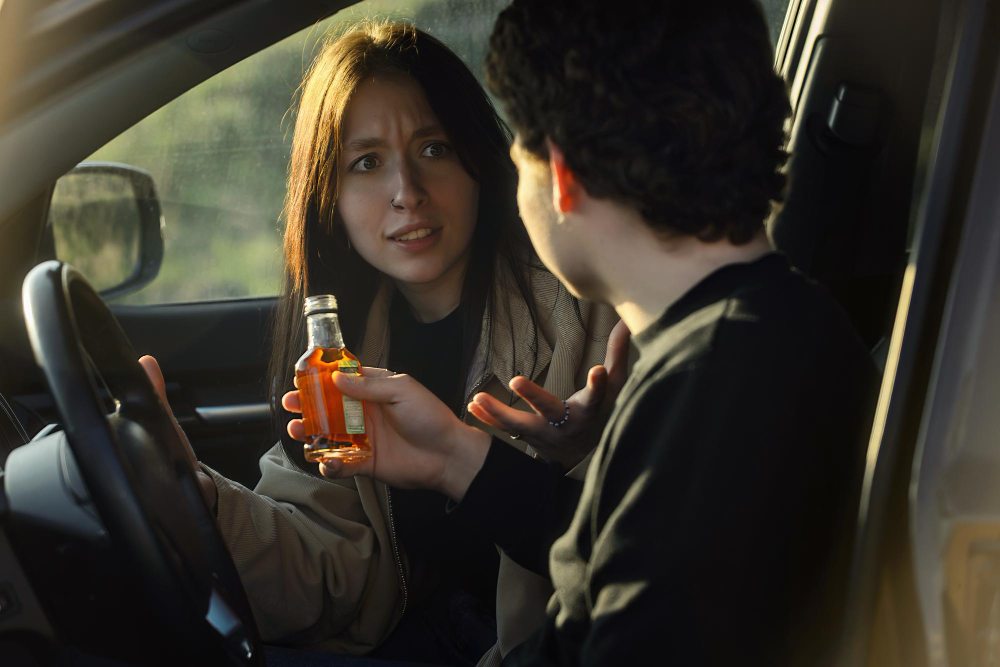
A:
367, 143
428, 131
364, 144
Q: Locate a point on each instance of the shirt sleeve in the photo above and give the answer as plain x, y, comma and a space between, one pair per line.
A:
521, 503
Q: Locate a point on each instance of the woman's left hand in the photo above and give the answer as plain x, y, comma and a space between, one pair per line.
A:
589, 408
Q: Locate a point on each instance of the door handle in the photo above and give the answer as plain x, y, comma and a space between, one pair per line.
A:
218, 415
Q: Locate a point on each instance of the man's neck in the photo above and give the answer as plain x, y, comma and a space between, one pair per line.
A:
643, 275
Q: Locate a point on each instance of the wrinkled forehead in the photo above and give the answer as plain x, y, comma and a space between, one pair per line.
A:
389, 106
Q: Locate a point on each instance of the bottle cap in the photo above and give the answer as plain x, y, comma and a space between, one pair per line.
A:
320, 303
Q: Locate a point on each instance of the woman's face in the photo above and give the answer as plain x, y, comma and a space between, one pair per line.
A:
407, 202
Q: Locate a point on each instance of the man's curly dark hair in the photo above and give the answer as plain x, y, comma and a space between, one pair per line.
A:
674, 110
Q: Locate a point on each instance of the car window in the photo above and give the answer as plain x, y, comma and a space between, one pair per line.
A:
218, 155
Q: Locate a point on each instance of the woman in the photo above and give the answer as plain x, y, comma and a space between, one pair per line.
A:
401, 201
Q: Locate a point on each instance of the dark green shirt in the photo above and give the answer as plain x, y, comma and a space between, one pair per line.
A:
714, 523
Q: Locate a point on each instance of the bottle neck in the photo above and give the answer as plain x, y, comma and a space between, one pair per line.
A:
324, 330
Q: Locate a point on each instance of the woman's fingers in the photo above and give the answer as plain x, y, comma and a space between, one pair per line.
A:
152, 368
484, 416
547, 405
616, 356
496, 414
155, 376
591, 397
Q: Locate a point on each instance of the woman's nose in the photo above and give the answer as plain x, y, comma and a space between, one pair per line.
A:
410, 193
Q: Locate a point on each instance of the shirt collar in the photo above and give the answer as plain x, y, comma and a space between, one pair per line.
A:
716, 286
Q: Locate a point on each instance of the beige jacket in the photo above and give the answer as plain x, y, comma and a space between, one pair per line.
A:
318, 557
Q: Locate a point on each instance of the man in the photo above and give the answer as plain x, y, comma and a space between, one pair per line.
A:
714, 522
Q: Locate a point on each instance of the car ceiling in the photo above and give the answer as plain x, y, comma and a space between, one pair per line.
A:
140, 60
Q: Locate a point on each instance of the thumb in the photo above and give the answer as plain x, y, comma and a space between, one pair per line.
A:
597, 387
384, 389
155, 376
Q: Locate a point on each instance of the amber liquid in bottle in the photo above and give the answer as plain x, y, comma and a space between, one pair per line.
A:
334, 424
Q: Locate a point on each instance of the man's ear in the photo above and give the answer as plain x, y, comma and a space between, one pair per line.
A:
566, 190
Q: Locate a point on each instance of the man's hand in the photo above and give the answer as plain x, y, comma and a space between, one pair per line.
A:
208, 490
589, 408
417, 441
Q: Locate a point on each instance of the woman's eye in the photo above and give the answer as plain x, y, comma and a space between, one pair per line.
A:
367, 163
436, 150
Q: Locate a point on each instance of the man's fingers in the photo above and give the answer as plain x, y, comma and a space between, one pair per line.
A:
292, 402
381, 386
297, 430
547, 405
339, 468
496, 414
372, 372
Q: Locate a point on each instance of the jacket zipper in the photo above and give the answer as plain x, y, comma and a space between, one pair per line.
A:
392, 520
395, 550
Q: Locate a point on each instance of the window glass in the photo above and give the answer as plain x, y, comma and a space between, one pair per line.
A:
218, 154
774, 13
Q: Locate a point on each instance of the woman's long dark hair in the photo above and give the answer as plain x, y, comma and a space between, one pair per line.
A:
318, 259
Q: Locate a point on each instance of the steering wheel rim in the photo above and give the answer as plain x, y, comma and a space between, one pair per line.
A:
137, 470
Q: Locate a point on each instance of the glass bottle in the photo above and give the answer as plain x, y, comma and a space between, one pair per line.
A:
334, 423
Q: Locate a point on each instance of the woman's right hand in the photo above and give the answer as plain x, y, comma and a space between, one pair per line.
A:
417, 441
208, 490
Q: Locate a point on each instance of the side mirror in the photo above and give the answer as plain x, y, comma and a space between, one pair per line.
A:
106, 222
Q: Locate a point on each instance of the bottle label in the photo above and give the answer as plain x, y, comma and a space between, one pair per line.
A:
354, 413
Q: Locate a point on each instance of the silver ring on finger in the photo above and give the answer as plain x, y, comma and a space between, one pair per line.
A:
565, 416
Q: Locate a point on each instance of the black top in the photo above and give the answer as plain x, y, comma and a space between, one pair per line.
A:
440, 553
714, 523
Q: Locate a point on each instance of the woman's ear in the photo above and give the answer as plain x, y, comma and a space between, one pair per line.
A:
565, 187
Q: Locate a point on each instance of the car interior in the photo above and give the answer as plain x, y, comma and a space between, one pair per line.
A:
106, 548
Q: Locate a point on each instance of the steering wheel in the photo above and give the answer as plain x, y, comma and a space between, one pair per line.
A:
138, 475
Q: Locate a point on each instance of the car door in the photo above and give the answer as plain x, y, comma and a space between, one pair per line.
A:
894, 187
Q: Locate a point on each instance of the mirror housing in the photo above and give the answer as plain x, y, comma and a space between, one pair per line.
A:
107, 222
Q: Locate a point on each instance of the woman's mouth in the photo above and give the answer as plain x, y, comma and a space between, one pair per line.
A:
417, 239
415, 234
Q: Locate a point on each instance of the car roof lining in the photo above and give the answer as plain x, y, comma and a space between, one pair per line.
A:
50, 138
